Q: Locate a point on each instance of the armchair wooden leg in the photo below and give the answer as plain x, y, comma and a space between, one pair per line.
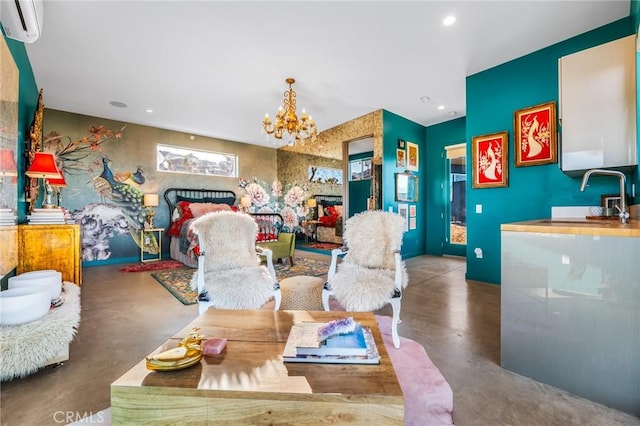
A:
326, 294
291, 260
395, 304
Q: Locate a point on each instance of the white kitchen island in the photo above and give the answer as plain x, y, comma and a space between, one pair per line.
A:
570, 313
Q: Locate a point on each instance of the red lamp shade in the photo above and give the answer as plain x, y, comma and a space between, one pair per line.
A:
7, 163
60, 183
44, 166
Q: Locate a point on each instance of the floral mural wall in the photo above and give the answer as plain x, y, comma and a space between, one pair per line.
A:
288, 200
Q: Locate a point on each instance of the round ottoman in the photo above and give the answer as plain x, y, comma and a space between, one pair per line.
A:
302, 293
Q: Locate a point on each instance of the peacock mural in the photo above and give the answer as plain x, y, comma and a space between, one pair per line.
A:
121, 210
123, 191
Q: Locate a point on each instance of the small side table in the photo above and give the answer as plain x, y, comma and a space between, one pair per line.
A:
145, 239
310, 228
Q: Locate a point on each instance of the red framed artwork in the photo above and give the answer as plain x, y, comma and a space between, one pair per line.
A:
489, 157
535, 135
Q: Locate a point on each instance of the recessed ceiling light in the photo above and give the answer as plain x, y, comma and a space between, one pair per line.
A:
441, 107
118, 104
425, 99
449, 20
149, 110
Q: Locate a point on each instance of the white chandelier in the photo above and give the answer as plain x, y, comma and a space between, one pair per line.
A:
287, 126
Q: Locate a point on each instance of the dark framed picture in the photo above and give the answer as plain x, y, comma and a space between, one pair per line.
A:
535, 135
406, 187
489, 160
403, 210
401, 143
401, 159
412, 156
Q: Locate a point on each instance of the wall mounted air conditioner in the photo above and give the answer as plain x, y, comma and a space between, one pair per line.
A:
21, 19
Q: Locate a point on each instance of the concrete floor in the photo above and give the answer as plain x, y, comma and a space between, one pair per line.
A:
127, 315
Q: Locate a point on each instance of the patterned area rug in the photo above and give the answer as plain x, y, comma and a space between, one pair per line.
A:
177, 281
152, 266
324, 248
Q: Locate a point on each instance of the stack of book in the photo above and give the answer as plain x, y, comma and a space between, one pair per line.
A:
47, 216
356, 347
7, 217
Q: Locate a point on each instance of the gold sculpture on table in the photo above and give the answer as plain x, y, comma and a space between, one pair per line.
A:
188, 353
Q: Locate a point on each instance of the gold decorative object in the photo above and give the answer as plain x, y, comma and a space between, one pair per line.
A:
287, 126
188, 353
33, 145
150, 201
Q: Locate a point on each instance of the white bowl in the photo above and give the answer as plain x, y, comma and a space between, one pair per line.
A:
47, 278
38, 272
22, 305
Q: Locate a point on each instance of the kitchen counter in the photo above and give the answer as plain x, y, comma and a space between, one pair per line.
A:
577, 226
570, 307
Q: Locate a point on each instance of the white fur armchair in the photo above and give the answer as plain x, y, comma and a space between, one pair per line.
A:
229, 274
372, 273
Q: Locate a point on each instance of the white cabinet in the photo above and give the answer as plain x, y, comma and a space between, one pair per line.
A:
598, 107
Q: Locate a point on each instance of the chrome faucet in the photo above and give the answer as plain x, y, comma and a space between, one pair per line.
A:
624, 214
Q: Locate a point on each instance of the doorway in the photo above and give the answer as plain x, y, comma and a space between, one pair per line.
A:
360, 176
455, 214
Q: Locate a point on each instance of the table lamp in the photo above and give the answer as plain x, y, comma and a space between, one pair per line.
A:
311, 205
44, 167
245, 203
58, 184
150, 201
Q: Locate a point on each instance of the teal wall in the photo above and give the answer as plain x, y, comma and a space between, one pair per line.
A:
359, 190
438, 136
492, 98
28, 102
394, 128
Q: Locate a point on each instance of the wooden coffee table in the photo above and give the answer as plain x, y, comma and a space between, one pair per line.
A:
250, 384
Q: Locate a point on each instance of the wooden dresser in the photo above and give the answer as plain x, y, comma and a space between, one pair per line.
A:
50, 247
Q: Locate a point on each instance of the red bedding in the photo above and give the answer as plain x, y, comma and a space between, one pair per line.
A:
189, 245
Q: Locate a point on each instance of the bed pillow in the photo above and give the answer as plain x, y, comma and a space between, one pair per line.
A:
330, 217
338, 208
223, 200
200, 209
184, 214
320, 211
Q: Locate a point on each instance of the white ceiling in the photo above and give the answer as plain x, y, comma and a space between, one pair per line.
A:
213, 68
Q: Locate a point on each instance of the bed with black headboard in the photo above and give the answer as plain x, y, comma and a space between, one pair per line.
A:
186, 204
329, 215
